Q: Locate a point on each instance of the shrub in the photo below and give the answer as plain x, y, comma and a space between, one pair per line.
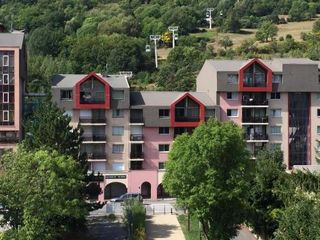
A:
134, 218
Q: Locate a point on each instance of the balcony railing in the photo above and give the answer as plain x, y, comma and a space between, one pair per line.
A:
187, 119
257, 136
95, 138
136, 155
136, 119
92, 120
9, 139
255, 119
136, 137
253, 101
97, 155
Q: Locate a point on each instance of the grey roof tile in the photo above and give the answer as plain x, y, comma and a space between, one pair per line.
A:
157, 98
14, 39
70, 80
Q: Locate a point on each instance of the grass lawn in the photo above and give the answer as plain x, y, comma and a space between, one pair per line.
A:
293, 28
194, 233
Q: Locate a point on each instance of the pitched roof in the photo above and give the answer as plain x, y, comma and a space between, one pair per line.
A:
14, 39
155, 98
275, 64
70, 80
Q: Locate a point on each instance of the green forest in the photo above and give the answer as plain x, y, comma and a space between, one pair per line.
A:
108, 36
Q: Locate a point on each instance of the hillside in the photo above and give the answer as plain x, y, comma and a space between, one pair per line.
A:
77, 36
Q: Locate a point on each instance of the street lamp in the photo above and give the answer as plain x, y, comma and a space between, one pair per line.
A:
209, 16
155, 38
174, 36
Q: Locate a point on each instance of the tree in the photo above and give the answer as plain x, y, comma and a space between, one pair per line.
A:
316, 26
209, 173
266, 30
300, 220
49, 127
178, 73
39, 191
225, 42
265, 204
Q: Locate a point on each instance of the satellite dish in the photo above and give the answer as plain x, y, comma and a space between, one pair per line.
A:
148, 49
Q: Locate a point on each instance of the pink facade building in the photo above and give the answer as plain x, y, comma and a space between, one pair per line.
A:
12, 78
128, 135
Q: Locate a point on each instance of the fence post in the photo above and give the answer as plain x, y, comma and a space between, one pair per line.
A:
164, 209
171, 211
153, 210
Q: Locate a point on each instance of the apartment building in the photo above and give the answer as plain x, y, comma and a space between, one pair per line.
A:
12, 78
127, 134
277, 103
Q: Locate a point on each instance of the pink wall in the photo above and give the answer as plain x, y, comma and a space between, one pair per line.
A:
138, 177
101, 195
152, 139
228, 104
152, 157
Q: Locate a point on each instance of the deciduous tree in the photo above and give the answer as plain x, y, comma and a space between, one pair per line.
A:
265, 203
39, 191
209, 173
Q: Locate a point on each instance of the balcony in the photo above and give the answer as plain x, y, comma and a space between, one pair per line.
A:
136, 165
6, 139
254, 101
136, 155
257, 137
92, 120
94, 138
187, 119
97, 155
136, 137
136, 119
263, 119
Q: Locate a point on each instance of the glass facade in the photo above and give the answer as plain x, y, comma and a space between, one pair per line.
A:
299, 136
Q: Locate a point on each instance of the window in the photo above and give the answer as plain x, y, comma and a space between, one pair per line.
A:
5, 97
117, 166
5, 116
232, 95
163, 130
277, 78
117, 113
276, 112
117, 148
5, 78
66, 94
118, 94
318, 112
318, 96
275, 130
117, 131
163, 113
5, 60
232, 79
318, 129
161, 165
275, 95
232, 112
163, 147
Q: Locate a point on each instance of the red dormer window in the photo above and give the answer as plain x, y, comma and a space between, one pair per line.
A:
187, 111
255, 77
92, 92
